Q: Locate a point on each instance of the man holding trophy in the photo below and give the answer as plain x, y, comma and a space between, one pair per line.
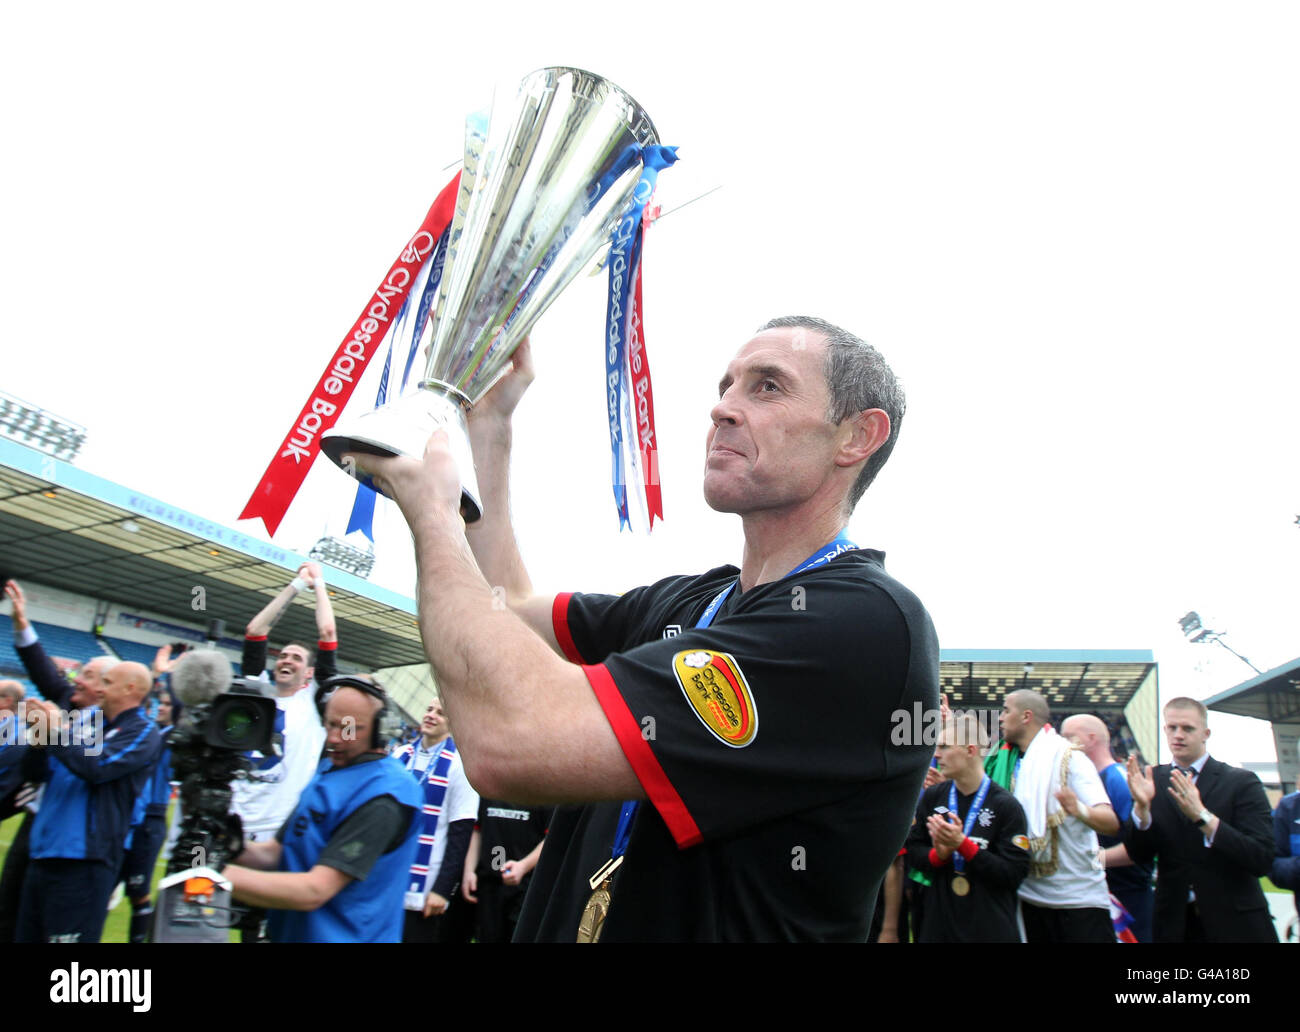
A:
727, 737
774, 797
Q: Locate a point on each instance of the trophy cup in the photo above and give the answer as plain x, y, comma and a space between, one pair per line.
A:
545, 182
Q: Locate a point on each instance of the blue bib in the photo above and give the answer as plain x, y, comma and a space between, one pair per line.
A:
364, 911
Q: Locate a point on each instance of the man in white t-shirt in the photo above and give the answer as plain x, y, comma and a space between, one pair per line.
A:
264, 804
1065, 898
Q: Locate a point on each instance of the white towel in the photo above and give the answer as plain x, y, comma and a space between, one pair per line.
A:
1044, 770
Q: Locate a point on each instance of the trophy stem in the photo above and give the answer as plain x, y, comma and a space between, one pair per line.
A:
448, 389
403, 427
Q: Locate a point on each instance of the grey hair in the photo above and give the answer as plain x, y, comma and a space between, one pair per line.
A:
858, 378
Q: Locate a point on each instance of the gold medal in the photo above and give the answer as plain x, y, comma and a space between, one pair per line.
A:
960, 885
594, 914
597, 908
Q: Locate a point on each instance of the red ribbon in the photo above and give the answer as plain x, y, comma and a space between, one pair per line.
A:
642, 391
287, 470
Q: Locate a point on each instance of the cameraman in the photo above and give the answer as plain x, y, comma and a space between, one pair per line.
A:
264, 804
336, 870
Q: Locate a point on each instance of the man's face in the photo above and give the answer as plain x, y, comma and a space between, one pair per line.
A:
292, 669
954, 759
1186, 734
349, 716
88, 685
770, 445
434, 723
119, 691
1012, 720
164, 709
1073, 731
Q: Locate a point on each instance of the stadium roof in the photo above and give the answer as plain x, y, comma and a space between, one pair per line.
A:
69, 529
1071, 680
1274, 695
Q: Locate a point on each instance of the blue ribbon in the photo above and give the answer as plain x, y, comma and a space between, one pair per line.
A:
624, 259
839, 546
430, 294
363, 508
959, 861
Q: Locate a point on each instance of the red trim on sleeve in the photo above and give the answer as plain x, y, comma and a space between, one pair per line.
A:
328, 646
644, 762
254, 637
968, 848
560, 622
934, 858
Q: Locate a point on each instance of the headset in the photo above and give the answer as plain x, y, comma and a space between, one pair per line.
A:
387, 724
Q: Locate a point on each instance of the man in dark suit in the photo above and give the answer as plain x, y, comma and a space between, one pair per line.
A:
1211, 828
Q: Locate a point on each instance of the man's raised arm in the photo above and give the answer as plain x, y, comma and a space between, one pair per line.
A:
327, 638
492, 537
255, 635
501, 683
39, 666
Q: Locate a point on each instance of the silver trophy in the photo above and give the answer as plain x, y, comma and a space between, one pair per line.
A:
545, 182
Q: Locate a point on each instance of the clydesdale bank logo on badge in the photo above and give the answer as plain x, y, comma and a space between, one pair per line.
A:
719, 695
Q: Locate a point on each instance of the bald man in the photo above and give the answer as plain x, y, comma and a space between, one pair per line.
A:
1129, 883
93, 773
1065, 898
82, 694
336, 871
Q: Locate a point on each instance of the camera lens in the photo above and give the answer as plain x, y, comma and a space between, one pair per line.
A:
239, 725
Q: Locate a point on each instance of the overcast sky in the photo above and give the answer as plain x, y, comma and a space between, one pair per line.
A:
1071, 229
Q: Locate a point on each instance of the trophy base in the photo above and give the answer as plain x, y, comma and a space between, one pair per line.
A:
403, 427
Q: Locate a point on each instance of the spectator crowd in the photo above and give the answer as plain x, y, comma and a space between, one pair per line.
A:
409, 853
1043, 836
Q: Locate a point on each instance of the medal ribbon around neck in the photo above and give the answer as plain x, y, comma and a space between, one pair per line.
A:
823, 555
959, 861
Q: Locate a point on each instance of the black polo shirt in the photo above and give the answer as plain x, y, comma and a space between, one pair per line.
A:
778, 794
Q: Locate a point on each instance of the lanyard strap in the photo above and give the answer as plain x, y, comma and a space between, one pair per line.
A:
959, 861
839, 546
